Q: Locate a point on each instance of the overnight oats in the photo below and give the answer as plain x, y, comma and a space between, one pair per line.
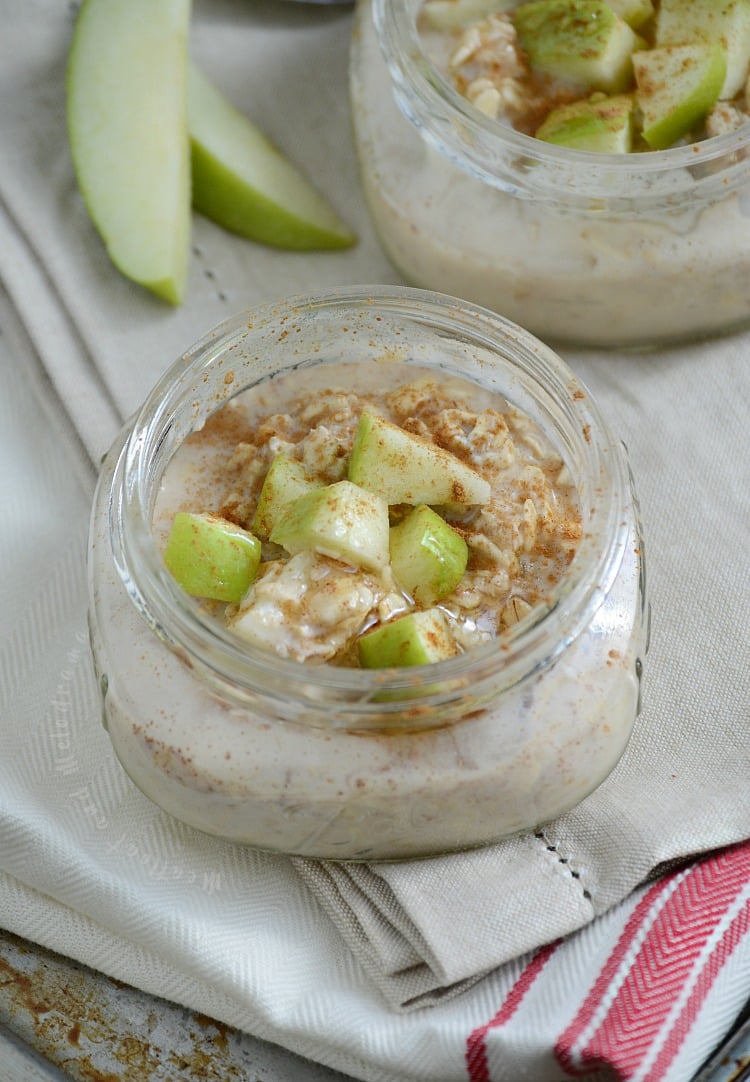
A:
594, 191
367, 582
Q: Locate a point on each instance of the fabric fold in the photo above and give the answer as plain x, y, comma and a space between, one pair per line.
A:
63, 356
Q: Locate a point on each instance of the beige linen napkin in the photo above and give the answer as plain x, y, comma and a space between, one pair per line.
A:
422, 930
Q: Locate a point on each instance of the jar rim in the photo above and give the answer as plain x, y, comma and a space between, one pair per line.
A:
530, 168
238, 667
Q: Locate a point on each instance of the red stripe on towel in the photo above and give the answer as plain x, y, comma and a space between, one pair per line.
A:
567, 1042
476, 1049
662, 964
680, 1027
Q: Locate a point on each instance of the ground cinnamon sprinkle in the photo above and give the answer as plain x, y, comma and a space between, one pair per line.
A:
520, 542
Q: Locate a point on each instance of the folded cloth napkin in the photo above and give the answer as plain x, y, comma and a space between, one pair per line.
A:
90, 868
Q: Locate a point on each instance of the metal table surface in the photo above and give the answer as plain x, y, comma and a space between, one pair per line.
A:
62, 1021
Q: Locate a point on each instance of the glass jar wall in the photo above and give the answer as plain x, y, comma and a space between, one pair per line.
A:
347, 763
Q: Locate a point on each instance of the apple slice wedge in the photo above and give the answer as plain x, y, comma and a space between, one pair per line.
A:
727, 22
418, 638
600, 123
580, 42
245, 184
677, 85
285, 481
127, 125
342, 521
428, 557
634, 12
451, 14
211, 557
404, 468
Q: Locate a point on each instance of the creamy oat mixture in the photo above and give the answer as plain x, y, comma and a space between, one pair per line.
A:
483, 59
309, 607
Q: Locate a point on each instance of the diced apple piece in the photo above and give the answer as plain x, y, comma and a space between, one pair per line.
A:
634, 12
403, 468
428, 557
450, 14
284, 482
602, 124
245, 184
419, 638
128, 132
211, 557
725, 21
677, 85
581, 42
342, 521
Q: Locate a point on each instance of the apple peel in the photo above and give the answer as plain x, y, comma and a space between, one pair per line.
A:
128, 133
244, 183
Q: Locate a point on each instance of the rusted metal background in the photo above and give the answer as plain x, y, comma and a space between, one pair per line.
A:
731, 1063
59, 1020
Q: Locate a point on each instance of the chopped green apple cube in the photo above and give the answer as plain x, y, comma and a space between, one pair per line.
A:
723, 21
634, 12
580, 42
211, 557
677, 85
284, 482
600, 124
403, 468
428, 557
342, 521
449, 14
128, 133
419, 638
245, 184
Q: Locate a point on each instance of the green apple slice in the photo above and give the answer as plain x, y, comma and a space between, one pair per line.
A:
342, 521
725, 21
403, 468
284, 482
677, 85
245, 184
211, 557
603, 125
127, 125
419, 638
428, 557
450, 14
634, 12
581, 42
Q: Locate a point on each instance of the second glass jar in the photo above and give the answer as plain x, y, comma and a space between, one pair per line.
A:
611, 250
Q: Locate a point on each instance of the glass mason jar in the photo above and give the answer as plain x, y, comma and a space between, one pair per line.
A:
593, 249
347, 763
